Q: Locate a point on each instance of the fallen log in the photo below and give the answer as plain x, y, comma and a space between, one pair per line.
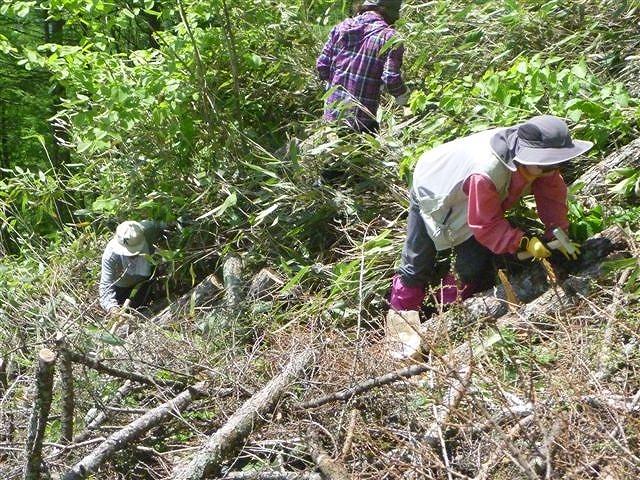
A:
264, 285
96, 417
134, 430
533, 282
197, 297
516, 456
39, 414
229, 438
456, 391
542, 460
331, 468
498, 453
594, 180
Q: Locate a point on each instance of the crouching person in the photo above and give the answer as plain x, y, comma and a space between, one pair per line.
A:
125, 266
460, 192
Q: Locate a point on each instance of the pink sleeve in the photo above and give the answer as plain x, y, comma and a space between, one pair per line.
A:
485, 216
551, 200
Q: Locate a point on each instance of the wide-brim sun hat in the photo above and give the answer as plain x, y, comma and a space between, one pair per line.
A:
545, 140
129, 239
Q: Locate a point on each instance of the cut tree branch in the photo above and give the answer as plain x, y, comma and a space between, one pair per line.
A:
118, 373
331, 468
229, 438
348, 393
133, 431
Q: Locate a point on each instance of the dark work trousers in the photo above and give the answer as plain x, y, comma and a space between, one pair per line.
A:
140, 298
473, 264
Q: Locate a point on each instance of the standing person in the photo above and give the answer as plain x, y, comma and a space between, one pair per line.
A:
358, 60
460, 192
125, 265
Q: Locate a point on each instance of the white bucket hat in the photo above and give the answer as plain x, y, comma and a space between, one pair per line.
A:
129, 239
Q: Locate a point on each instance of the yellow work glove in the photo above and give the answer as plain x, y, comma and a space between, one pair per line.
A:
537, 248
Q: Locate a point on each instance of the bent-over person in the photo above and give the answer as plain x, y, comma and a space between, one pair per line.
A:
125, 266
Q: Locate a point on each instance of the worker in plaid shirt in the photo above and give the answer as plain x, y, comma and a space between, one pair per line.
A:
355, 64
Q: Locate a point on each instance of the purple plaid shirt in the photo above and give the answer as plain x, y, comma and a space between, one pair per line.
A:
351, 61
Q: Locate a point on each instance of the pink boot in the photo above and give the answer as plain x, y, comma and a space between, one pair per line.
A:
448, 292
404, 297
451, 291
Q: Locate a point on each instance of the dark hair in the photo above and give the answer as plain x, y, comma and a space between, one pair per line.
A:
368, 8
375, 8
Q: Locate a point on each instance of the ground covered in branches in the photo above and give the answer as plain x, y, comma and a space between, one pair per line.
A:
291, 380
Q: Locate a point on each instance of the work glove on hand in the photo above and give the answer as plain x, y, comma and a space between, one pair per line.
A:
536, 248
569, 249
573, 255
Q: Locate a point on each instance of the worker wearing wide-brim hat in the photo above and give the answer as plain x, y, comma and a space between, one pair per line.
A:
125, 265
460, 192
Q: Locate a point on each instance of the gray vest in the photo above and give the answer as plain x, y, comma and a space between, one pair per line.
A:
438, 179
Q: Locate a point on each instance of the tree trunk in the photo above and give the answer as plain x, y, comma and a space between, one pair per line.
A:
68, 397
4, 379
4, 144
39, 414
232, 277
53, 29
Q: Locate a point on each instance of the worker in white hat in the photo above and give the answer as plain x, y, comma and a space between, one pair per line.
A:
125, 265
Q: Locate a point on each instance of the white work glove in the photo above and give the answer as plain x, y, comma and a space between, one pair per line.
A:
401, 100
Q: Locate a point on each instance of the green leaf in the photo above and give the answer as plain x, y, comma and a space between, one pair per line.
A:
265, 213
105, 205
295, 281
580, 70
230, 201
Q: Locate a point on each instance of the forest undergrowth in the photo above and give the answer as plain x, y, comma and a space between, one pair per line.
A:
209, 122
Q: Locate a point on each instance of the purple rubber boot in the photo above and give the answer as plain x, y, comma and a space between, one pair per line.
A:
451, 291
404, 297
